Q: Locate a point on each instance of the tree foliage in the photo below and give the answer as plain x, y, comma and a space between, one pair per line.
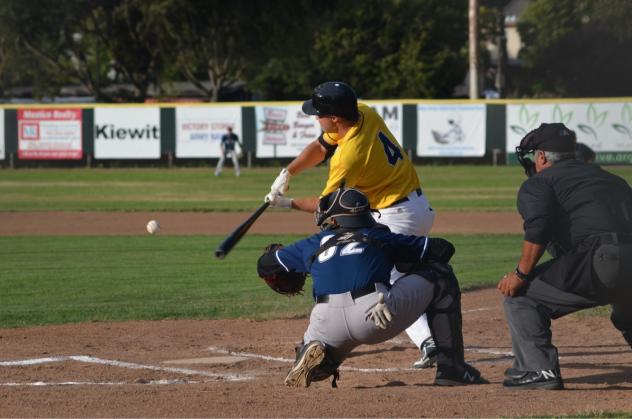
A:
129, 50
577, 48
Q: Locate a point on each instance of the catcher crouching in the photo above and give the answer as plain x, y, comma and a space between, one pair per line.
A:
350, 261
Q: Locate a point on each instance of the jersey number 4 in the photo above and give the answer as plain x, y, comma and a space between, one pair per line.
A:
393, 153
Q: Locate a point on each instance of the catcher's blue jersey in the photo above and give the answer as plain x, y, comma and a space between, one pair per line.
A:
351, 266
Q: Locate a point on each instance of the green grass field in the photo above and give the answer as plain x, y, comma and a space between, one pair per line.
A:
73, 279
460, 188
86, 278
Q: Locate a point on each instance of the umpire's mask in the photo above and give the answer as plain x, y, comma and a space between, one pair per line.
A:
344, 207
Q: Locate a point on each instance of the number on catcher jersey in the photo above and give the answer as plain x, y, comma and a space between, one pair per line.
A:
348, 249
393, 153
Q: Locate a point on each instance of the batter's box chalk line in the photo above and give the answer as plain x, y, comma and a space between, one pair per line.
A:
121, 364
501, 354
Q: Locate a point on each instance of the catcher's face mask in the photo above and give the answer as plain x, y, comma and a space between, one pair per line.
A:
345, 207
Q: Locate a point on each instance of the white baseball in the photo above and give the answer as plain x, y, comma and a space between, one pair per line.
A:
153, 226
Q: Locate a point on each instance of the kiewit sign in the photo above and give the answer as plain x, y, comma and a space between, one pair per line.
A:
49, 133
127, 133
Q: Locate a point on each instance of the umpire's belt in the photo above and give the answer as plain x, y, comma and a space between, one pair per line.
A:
354, 294
404, 199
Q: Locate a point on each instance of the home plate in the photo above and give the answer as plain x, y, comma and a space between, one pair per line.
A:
207, 361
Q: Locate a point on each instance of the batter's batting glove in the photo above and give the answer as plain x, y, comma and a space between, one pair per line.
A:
281, 184
380, 314
278, 201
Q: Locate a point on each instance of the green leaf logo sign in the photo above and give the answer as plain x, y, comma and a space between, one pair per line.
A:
560, 116
626, 119
527, 121
595, 119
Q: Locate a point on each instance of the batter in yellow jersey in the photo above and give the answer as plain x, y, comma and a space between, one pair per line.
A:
369, 158
366, 156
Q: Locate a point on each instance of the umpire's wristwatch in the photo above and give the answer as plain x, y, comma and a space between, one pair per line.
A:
523, 276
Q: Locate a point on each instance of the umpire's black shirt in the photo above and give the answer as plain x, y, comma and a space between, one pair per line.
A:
570, 206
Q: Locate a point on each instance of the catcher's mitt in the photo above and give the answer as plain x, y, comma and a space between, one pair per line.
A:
278, 279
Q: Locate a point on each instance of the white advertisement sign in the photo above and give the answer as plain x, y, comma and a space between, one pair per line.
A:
603, 126
1, 134
199, 129
451, 130
392, 114
127, 133
49, 133
284, 131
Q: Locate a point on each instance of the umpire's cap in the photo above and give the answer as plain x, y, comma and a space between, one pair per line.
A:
344, 207
333, 98
550, 137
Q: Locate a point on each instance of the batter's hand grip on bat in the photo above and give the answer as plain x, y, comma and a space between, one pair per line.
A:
234, 237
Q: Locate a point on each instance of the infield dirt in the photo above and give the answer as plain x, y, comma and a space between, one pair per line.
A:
235, 368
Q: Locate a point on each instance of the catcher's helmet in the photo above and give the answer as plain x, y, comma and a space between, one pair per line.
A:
333, 98
344, 207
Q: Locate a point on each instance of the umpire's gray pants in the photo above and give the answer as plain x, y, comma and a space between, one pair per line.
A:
342, 323
529, 316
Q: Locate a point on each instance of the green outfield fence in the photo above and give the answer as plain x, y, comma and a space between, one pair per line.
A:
436, 131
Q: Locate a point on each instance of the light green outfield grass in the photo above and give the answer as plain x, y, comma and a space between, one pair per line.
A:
73, 279
463, 188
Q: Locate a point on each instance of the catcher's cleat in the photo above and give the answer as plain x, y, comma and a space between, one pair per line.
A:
429, 352
307, 359
458, 376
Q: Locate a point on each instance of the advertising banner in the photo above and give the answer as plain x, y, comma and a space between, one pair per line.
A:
1, 134
392, 114
49, 134
451, 130
606, 127
284, 131
200, 129
127, 133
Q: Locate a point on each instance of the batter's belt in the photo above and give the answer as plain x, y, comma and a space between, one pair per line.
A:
404, 199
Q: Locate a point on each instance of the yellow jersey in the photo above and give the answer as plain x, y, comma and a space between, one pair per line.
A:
370, 159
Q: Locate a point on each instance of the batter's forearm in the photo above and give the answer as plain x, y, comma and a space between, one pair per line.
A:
311, 155
305, 204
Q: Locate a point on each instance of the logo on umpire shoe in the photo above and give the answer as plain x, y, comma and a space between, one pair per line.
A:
469, 377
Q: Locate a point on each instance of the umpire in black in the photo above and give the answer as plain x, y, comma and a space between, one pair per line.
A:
585, 214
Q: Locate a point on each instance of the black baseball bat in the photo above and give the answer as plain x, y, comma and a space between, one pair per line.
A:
234, 237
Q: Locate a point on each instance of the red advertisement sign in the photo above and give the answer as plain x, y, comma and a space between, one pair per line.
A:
48, 134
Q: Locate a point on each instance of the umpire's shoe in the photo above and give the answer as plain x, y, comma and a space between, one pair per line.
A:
307, 359
544, 379
460, 375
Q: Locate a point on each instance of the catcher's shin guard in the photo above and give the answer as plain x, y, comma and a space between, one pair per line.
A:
444, 316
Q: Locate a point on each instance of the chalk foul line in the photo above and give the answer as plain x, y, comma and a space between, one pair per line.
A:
128, 365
